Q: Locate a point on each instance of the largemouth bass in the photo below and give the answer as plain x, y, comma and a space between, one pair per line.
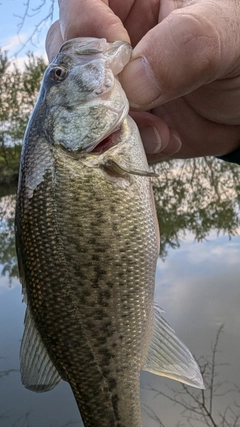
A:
87, 243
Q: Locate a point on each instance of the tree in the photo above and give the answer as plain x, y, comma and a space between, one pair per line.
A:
18, 91
7, 237
196, 195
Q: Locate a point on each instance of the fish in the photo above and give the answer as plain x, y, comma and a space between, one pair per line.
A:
87, 243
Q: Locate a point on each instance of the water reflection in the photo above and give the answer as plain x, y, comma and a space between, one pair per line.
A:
198, 286
198, 406
197, 195
7, 241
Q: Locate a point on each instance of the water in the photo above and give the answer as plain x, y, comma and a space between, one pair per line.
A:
197, 284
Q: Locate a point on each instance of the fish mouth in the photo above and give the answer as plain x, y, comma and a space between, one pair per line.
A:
106, 143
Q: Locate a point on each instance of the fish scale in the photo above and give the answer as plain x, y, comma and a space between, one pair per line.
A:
87, 244
117, 288
118, 279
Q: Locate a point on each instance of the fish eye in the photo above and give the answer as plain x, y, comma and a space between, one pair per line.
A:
58, 74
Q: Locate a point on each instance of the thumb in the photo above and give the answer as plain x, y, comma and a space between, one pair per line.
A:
84, 18
190, 47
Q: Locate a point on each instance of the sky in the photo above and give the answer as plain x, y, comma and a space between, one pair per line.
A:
16, 32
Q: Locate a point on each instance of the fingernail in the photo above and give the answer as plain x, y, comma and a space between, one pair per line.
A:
53, 41
176, 143
151, 139
139, 83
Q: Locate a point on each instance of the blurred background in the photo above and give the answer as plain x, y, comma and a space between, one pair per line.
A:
197, 279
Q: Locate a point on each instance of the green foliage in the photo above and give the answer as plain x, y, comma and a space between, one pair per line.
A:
197, 196
7, 237
18, 91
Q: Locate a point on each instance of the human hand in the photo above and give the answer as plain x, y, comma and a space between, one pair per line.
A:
184, 77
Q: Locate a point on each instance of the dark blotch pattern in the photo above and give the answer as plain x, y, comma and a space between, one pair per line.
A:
88, 252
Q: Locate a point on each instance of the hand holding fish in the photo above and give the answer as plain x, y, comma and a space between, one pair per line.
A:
183, 79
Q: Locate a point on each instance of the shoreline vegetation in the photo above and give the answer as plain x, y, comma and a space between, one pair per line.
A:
194, 195
9, 165
19, 87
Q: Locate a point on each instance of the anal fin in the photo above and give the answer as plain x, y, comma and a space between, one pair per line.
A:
169, 357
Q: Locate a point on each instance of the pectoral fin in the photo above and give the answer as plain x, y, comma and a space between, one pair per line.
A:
169, 357
114, 168
37, 370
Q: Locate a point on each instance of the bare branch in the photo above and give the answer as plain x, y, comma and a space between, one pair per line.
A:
30, 11
197, 406
214, 351
152, 414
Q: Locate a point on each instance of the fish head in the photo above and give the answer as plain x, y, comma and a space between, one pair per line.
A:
82, 96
